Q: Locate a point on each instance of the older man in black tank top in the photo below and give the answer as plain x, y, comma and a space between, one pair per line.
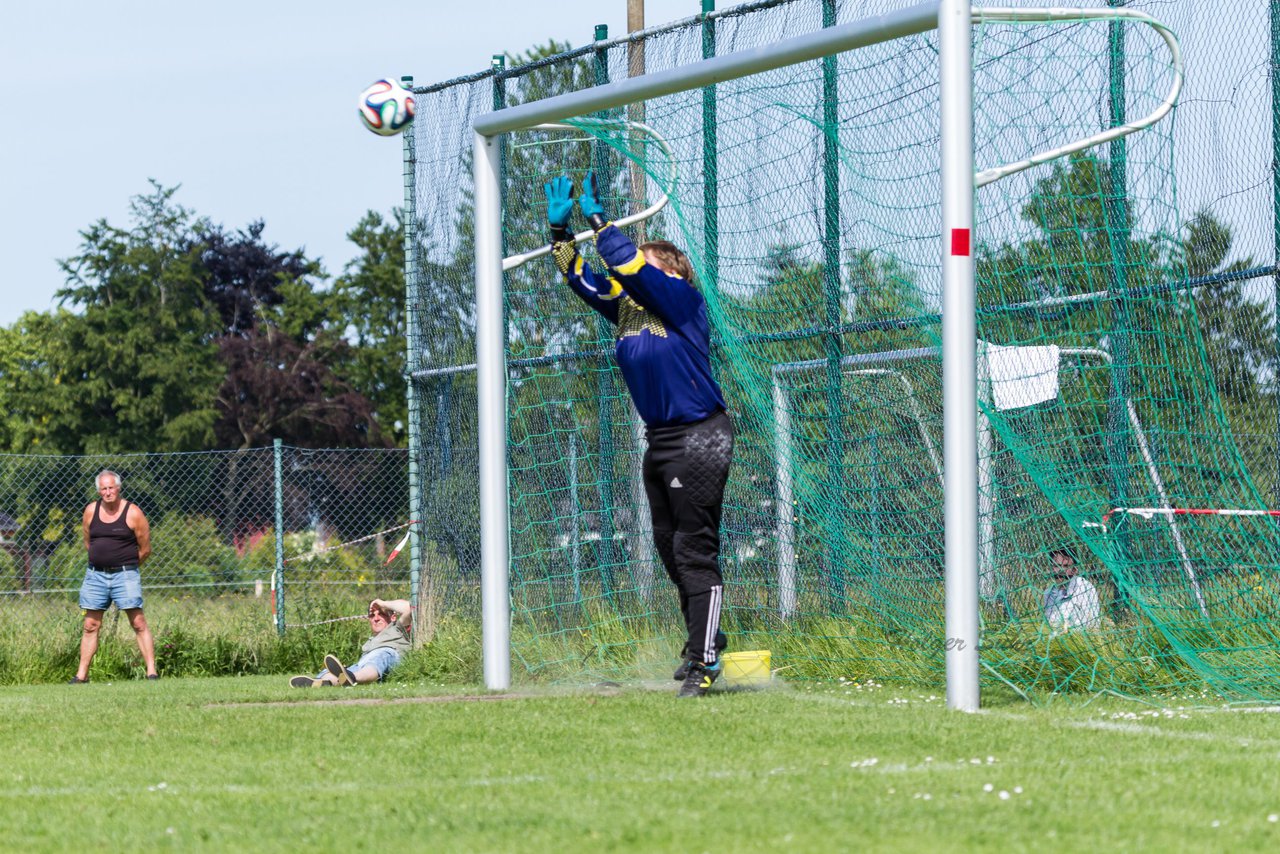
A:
118, 539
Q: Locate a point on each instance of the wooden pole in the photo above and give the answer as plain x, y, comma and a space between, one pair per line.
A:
635, 111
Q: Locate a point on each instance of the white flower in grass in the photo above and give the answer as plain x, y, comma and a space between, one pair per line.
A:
988, 788
1017, 790
1273, 818
1004, 796
1215, 823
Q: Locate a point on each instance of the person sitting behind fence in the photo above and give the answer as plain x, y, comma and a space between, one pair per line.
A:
1072, 602
389, 623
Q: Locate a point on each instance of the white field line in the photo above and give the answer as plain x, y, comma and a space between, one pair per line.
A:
1103, 726
252, 791
1148, 729
256, 791
175, 789
1246, 710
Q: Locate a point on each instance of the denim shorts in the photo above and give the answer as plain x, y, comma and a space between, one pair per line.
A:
382, 659
100, 589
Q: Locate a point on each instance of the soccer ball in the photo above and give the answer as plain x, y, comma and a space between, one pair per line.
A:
386, 107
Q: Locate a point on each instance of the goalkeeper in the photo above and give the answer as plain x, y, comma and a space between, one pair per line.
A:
663, 350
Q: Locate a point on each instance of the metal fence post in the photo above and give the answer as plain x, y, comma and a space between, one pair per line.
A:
1116, 213
278, 451
610, 553
832, 342
710, 162
412, 359
1275, 205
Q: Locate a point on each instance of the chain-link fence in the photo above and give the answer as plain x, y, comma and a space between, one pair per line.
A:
214, 519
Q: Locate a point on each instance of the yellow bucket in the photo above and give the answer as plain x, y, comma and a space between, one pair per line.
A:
746, 669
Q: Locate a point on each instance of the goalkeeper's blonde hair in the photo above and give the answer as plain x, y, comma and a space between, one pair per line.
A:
669, 257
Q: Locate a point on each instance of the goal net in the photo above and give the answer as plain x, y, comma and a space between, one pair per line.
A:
808, 199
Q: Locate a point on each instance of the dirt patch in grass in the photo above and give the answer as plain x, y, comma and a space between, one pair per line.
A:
380, 701
601, 691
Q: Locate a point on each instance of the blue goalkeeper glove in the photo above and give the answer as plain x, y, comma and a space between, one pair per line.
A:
589, 203
559, 202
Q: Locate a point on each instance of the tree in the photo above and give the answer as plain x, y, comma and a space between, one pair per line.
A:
367, 303
30, 395
1087, 277
242, 273
137, 364
1070, 252
791, 298
856, 423
1238, 333
282, 355
151, 349
1073, 253
280, 387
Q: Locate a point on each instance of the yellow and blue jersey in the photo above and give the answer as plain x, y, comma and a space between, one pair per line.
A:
663, 341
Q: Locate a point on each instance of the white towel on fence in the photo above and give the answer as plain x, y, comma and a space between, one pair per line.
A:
1022, 376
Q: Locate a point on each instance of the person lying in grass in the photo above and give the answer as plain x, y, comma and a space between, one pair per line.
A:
389, 624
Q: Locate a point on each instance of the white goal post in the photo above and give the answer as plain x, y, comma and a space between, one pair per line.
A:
954, 20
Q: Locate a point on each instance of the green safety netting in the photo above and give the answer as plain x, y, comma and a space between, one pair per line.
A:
1123, 372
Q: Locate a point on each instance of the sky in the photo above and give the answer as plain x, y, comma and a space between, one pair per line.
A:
249, 105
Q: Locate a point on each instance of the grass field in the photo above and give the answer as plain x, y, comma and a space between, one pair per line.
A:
251, 764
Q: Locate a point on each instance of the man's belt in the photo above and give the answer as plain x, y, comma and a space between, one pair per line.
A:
111, 569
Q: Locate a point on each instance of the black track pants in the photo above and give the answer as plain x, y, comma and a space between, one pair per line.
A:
685, 469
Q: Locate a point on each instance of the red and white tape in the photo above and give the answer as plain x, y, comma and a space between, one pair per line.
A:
400, 545
1152, 512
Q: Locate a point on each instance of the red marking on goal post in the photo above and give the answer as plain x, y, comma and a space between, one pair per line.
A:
960, 241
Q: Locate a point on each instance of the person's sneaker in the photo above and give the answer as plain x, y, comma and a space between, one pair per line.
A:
346, 678
76, 680
304, 682
722, 643
153, 676
699, 679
